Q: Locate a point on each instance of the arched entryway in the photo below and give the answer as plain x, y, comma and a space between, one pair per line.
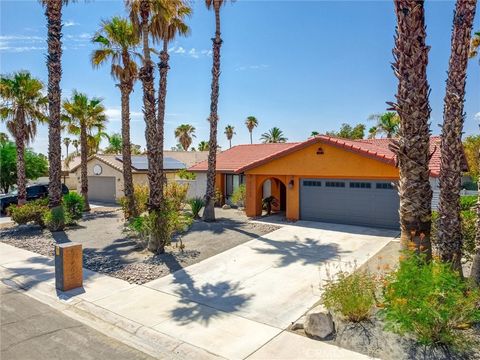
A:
274, 187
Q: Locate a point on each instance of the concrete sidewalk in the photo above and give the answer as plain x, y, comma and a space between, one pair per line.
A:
234, 305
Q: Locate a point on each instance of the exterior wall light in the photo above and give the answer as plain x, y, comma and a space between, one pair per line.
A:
290, 184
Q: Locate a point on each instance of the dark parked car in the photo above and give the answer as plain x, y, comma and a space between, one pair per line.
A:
34, 192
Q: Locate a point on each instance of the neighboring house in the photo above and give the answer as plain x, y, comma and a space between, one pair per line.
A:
68, 178
105, 175
321, 179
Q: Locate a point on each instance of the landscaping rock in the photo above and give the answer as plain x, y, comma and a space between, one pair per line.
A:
298, 325
226, 207
319, 323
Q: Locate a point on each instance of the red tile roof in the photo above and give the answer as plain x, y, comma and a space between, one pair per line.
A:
243, 157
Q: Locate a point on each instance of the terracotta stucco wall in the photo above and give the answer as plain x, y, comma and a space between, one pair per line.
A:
333, 163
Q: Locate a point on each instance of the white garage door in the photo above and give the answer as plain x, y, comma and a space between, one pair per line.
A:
101, 188
346, 201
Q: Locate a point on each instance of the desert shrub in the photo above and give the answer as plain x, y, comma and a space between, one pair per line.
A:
218, 197
73, 204
468, 222
54, 219
30, 212
140, 194
239, 195
187, 175
351, 295
468, 202
176, 194
196, 204
470, 185
429, 301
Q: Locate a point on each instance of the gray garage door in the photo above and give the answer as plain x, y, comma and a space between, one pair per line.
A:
101, 188
358, 202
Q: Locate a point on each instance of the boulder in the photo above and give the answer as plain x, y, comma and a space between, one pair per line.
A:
298, 325
319, 323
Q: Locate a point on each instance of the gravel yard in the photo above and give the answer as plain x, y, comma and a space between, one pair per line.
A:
110, 250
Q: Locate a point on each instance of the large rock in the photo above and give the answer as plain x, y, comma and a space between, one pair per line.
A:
319, 323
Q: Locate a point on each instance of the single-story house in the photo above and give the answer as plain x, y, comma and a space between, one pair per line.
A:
105, 172
322, 179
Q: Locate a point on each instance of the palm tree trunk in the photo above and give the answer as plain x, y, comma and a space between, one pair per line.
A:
412, 145
230, 143
53, 12
251, 139
83, 166
20, 144
163, 68
475, 271
155, 243
209, 211
449, 223
125, 89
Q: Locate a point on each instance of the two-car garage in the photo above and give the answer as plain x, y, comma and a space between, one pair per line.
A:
348, 201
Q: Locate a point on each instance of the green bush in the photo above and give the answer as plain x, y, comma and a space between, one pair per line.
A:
429, 301
196, 204
218, 197
176, 194
73, 204
239, 196
468, 221
351, 295
187, 175
468, 202
54, 219
30, 212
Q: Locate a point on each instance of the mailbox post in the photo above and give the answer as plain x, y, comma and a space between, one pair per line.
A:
68, 266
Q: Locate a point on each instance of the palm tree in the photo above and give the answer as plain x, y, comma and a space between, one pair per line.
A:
474, 45
209, 210
314, 133
229, 132
3, 138
251, 122
53, 13
387, 123
76, 144
184, 134
412, 144
203, 146
449, 238
22, 106
66, 142
117, 39
140, 15
274, 135
81, 115
115, 143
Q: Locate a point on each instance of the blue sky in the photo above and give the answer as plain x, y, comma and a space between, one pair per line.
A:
298, 65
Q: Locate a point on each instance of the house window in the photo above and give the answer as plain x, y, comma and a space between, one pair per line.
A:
385, 186
312, 183
232, 182
337, 184
360, 185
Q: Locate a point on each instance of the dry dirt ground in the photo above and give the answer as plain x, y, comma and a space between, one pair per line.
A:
109, 249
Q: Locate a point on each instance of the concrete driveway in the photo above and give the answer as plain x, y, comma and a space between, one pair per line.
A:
257, 288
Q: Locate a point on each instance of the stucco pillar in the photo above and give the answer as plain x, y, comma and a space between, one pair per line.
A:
253, 206
293, 197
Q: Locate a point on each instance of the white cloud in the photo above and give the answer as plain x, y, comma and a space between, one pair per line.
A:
69, 23
23, 43
252, 67
115, 114
477, 116
192, 52
20, 49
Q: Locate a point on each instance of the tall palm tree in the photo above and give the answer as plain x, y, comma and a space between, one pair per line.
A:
141, 14
22, 106
314, 133
449, 238
412, 144
118, 39
229, 132
76, 144
274, 135
203, 146
115, 144
81, 115
209, 210
95, 135
387, 123
184, 134
474, 45
66, 141
251, 122
53, 13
